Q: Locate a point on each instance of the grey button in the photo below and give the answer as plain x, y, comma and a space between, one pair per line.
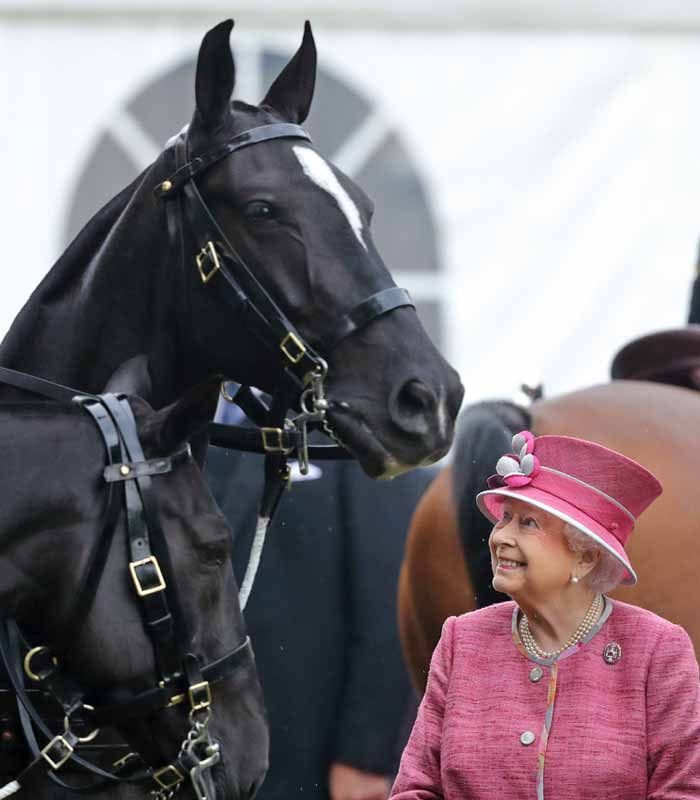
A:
527, 737
536, 674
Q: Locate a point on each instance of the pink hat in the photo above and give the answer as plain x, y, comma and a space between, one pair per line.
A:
598, 491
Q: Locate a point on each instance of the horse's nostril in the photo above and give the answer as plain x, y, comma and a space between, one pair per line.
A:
412, 406
416, 398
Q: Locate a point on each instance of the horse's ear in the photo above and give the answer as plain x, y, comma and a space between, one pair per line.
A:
293, 89
182, 420
216, 75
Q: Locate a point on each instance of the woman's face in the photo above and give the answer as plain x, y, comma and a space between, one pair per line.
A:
530, 557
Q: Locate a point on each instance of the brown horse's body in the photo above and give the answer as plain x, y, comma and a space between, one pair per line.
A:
652, 423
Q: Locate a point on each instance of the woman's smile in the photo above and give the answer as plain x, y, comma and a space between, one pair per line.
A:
509, 565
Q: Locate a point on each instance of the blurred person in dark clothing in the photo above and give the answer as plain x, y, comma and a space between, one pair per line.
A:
322, 619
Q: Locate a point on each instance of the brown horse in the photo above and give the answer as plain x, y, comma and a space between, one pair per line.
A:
652, 423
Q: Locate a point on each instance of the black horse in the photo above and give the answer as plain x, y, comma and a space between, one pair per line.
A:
128, 288
55, 505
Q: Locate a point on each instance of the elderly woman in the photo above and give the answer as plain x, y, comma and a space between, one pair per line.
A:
563, 693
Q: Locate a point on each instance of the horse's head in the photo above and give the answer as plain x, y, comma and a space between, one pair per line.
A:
303, 229
99, 633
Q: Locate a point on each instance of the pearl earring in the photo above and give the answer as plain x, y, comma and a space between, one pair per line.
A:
574, 579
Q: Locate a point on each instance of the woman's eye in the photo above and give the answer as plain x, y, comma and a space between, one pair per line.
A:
505, 519
259, 211
529, 522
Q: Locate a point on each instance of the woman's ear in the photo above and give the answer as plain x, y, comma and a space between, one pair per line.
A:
586, 562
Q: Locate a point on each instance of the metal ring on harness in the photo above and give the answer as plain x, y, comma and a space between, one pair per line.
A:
67, 727
28, 662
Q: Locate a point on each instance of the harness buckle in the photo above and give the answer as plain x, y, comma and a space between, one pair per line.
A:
292, 354
200, 695
168, 777
57, 752
207, 253
160, 580
272, 440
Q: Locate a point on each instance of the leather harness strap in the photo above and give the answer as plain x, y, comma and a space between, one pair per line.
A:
181, 676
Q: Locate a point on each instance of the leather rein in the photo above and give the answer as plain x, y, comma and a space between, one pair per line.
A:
182, 678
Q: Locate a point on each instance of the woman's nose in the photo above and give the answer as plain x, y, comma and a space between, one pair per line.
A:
502, 535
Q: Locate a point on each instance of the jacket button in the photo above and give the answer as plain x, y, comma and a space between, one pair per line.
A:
527, 737
536, 674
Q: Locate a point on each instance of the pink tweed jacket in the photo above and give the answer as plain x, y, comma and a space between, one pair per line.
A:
497, 725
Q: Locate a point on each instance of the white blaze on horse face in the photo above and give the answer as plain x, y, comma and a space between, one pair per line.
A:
442, 412
318, 170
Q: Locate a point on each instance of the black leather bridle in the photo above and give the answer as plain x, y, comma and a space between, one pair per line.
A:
182, 677
302, 364
214, 253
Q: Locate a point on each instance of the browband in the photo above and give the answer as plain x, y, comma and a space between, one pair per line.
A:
263, 133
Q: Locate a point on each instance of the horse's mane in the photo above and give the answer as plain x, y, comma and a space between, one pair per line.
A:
92, 235
484, 434
40, 328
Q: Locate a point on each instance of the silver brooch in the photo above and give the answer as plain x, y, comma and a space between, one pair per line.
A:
612, 653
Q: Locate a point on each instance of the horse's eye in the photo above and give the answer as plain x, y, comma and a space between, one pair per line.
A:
259, 211
215, 553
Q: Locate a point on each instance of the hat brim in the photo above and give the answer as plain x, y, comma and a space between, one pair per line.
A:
488, 502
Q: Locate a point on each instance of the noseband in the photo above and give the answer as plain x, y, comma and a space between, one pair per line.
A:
183, 680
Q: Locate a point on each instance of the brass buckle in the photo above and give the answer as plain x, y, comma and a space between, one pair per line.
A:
294, 357
272, 444
63, 754
207, 253
200, 695
28, 662
166, 783
134, 565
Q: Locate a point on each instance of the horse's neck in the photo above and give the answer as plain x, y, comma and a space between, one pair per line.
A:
110, 297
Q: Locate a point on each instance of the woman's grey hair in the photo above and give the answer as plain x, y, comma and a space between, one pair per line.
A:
607, 573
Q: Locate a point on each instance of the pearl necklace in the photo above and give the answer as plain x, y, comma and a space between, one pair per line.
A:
580, 633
